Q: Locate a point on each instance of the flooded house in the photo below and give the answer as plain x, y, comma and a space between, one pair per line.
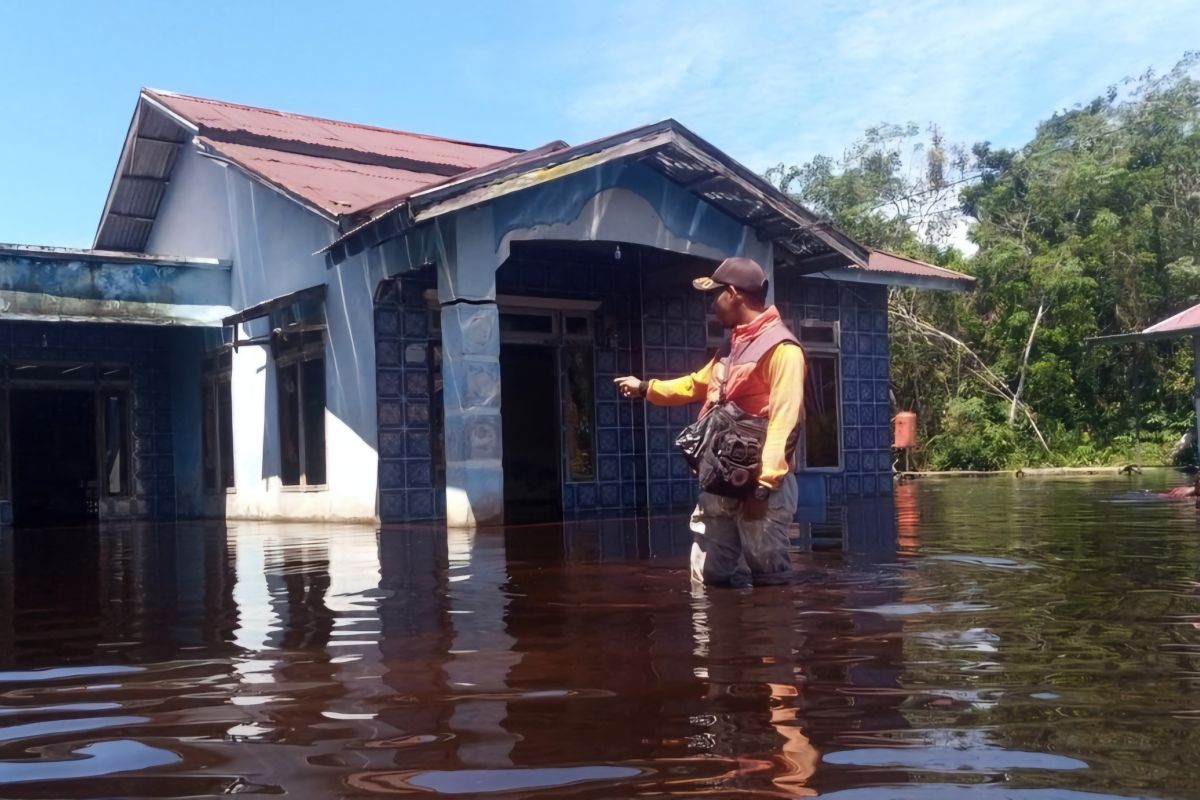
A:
286, 317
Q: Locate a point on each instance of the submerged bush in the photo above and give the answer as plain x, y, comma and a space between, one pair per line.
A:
974, 435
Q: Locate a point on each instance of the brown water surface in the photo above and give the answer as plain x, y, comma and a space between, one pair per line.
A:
980, 639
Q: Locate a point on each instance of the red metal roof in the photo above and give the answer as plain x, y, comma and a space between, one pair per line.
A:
339, 167
1185, 321
337, 187
883, 261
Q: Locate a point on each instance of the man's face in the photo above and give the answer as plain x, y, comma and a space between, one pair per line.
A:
725, 305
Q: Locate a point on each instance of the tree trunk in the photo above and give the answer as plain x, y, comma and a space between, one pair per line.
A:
1016, 399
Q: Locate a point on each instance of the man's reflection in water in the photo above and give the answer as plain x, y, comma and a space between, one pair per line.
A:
515, 656
793, 671
746, 646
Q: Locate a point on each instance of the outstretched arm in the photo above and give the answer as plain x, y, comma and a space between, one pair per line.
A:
675, 392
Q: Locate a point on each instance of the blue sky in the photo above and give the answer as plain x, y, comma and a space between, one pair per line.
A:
766, 81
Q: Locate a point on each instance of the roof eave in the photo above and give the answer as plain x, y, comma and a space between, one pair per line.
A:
1143, 336
117, 172
490, 183
860, 275
145, 99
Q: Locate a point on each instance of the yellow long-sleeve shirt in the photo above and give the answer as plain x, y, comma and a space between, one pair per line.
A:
784, 373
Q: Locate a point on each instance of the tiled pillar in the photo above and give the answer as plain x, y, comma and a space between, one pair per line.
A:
471, 376
471, 394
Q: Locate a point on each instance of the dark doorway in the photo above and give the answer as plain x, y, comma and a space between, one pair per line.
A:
529, 404
54, 480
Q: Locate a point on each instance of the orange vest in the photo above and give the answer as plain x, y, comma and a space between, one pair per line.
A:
735, 374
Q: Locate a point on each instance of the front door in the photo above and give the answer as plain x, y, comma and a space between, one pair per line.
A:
54, 465
529, 407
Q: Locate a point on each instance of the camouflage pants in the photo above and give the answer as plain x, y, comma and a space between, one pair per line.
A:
727, 548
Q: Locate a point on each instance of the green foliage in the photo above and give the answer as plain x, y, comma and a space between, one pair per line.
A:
974, 436
1095, 221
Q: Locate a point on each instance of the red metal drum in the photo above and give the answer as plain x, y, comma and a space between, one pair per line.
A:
904, 430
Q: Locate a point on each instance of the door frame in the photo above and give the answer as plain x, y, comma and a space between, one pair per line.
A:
554, 351
104, 377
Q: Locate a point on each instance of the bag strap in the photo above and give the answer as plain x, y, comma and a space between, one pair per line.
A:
754, 350
724, 353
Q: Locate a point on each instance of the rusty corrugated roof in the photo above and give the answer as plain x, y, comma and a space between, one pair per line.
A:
335, 186
223, 121
1184, 323
883, 261
339, 169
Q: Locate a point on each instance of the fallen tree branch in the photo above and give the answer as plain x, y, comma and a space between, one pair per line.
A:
980, 369
1012, 411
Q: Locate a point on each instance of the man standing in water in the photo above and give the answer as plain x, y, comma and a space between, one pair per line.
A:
761, 369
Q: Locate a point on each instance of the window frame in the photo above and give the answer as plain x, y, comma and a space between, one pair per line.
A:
92, 376
825, 349
212, 378
292, 356
103, 390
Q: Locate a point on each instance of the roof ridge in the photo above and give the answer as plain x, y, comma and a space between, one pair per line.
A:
165, 93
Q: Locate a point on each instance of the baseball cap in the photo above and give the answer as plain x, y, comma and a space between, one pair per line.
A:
740, 273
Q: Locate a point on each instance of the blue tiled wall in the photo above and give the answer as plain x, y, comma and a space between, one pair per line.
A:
660, 335
676, 343
866, 410
147, 352
407, 401
618, 487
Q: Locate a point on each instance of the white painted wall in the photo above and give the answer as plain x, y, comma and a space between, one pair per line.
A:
192, 219
215, 210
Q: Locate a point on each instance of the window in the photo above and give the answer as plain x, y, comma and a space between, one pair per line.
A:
528, 326
300, 387
822, 441
580, 412
113, 423
217, 423
114, 417
577, 328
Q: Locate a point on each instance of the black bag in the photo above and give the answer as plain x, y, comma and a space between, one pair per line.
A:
724, 448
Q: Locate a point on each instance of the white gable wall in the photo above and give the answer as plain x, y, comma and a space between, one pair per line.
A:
215, 210
192, 219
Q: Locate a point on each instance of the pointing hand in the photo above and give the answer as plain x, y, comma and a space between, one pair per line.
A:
628, 386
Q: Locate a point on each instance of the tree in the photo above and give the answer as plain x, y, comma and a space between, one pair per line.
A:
1092, 227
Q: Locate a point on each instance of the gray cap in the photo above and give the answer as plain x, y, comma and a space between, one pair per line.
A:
740, 273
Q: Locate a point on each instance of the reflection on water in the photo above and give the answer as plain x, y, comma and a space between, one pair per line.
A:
998, 638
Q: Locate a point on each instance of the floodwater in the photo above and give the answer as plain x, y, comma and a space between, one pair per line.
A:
1034, 639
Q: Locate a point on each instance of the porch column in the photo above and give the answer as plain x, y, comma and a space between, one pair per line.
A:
471, 375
